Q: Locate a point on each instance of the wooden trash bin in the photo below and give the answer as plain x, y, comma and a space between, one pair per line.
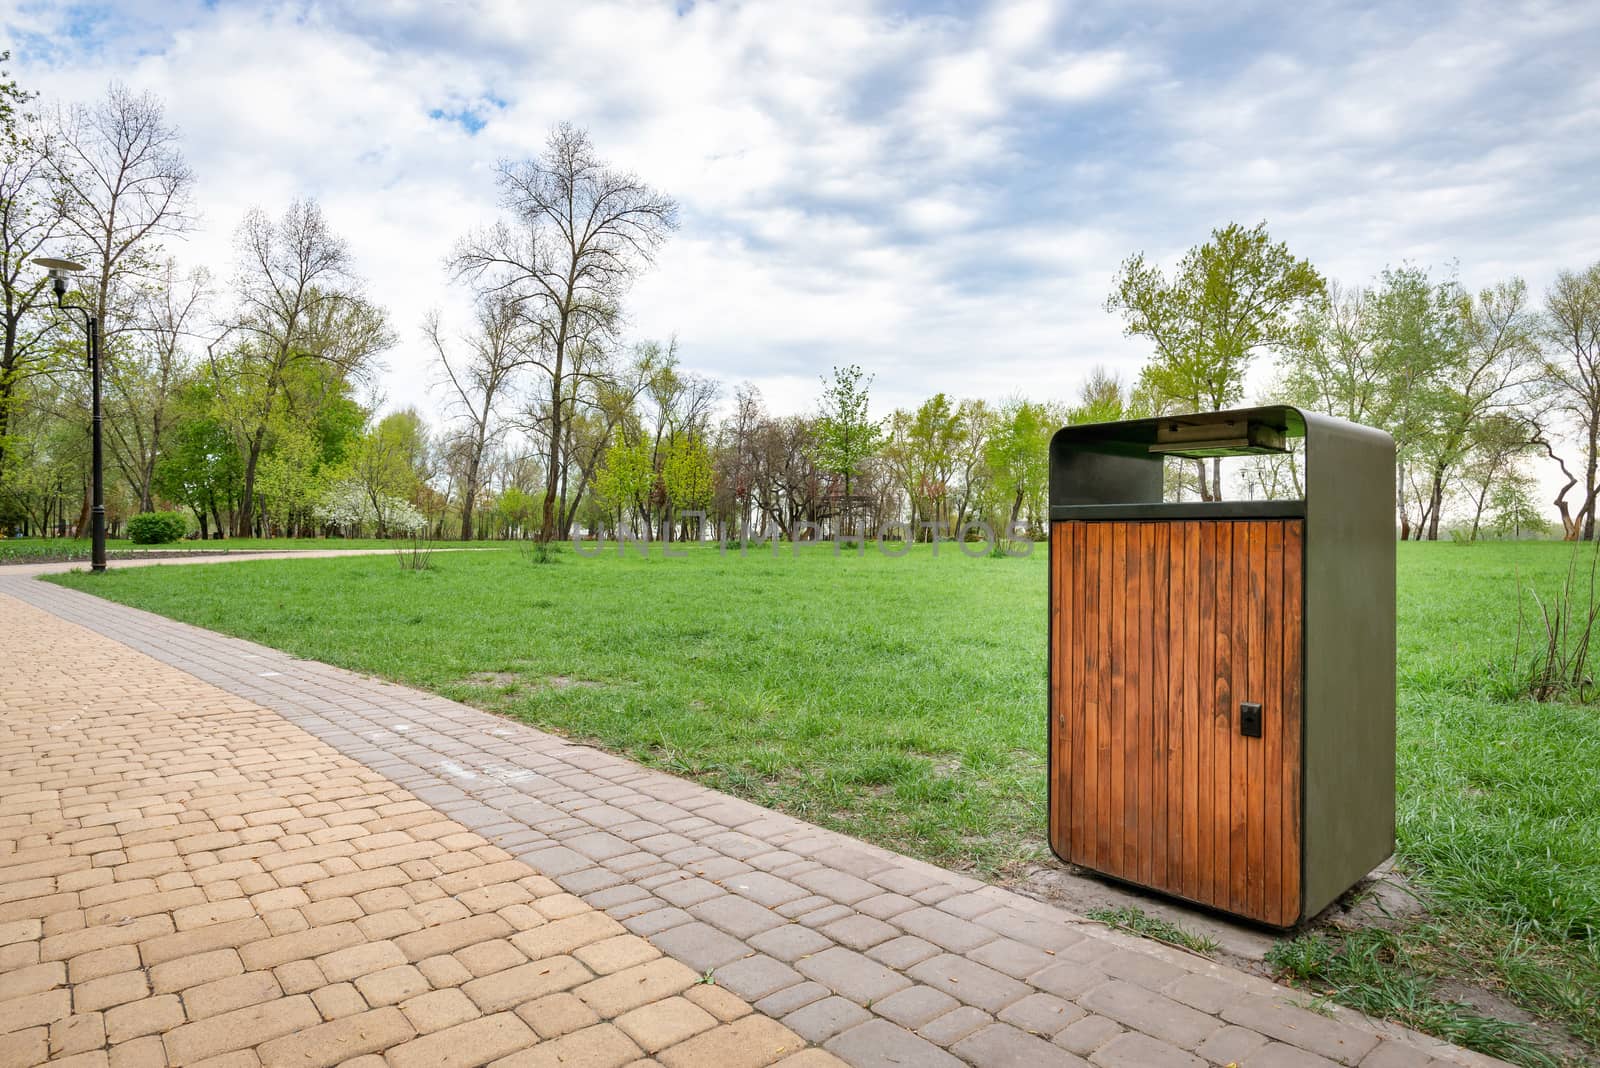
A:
1222, 674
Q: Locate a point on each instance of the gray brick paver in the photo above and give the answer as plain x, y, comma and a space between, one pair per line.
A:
1092, 1032
858, 978
859, 932
1143, 1010
789, 999
969, 982
1013, 958
736, 915
1397, 1055
954, 1025
1299, 1027
1041, 1014
700, 946
1279, 1055
790, 942
1230, 1045
1133, 1050
821, 1020
914, 1006
881, 1044
755, 977
1003, 1046
943, 929
903, 952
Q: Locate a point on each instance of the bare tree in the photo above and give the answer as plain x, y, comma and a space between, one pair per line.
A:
479, 382
300, 303
1572, 375
123, 186
579, 233
165, 317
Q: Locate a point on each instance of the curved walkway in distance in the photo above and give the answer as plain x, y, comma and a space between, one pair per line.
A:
876, 958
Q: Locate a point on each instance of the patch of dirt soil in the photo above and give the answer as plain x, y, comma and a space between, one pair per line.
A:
494, 678
567, 682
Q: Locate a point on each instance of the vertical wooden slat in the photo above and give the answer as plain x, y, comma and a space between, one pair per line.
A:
1116, 721
1254, 748
1177, 658
1160, 699
1271, 904
1135, 751
1205, 713
1124, 585
1061, 633
1294, 594
1222, 720
1103, 828
1075, 657
1094, 670
1193, 678
1238, 799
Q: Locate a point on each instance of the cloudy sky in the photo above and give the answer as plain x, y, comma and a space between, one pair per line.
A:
938, 192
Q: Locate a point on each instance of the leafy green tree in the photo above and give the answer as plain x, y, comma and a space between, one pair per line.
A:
686, 474
1486, 375
30, 219
12, 99
1230, 299
625, 478
1101, 399
922, 451
1513, 511
200, 465
292, 477
390, 462
1018, 457
514, 510
1416, 336
846, 433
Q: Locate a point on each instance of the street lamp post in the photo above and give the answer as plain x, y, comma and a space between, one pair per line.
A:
60, 272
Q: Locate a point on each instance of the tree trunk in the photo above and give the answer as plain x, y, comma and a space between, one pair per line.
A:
1589, 484
469, 496
547, 521
1436, 504
245, 517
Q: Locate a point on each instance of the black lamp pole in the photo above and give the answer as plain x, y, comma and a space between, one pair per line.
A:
59, 271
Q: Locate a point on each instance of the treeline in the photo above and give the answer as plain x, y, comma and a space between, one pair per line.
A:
246, 399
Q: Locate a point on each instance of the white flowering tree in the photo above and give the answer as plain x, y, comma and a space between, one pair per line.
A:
349, 507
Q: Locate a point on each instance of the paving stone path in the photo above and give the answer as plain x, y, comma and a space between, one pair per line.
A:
211, 849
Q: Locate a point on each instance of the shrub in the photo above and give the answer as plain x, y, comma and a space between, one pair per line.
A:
156, 528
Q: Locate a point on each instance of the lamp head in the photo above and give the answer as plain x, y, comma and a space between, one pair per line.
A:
60, 272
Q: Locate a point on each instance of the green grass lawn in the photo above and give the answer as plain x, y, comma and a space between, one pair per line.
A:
27, 550
903, 701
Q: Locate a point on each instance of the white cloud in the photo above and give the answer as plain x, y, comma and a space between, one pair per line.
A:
940, 198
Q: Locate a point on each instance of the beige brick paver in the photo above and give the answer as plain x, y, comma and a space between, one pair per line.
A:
186, 875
